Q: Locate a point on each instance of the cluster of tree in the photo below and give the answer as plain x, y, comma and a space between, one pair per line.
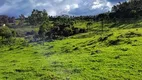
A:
38, 17
58, 26
4, 19
53, 27
63, 27
21, 19
73, 18
122, 12
131, 9
6, 32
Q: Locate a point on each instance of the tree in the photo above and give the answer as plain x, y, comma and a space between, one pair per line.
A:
43, 30
5, 32
127, 10
89, 25
45, 16
11, 20
3, 19
22, 20
38, 17
102, 17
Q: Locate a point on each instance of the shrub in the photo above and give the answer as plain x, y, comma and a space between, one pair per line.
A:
67, 31
132, 34
104, 38
5, 32
11, 49
113, 42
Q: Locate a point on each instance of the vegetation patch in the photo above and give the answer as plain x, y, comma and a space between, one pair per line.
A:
76, 70
106, 46
49, 53
130, 35
104, 38
114, 41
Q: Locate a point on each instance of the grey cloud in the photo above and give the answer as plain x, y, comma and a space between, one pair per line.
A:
55, 7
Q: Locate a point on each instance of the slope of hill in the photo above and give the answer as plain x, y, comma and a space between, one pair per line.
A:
87, 56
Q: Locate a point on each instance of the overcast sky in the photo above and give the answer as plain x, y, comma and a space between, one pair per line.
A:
56, 7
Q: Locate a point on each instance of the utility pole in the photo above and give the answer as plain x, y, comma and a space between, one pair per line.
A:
102, 22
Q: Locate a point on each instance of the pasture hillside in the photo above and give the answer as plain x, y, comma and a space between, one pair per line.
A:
115, 54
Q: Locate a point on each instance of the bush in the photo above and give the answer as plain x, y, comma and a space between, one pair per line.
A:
132, 34
104, 38
68, 31
113, 42
5, 32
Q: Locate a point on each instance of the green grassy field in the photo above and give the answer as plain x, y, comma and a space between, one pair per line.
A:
115, 55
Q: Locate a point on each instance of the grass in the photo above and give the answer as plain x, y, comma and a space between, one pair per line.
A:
79, 57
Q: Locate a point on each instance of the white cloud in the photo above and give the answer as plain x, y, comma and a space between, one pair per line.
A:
41, 4
4, 8
52, 13
109, 5
67, 8
74, 6
70, 7
55, 7
102, 4
58, 1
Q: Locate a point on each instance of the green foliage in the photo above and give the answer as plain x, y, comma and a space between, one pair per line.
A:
68, 31
88, 25
38, 17
62, 27
82, 56
44, 29
14, 34
3, 19
130, 9
7, 36
5, 32
85, 56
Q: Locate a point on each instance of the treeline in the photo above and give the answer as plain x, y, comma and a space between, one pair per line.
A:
53, 27
123, 12
132, 9
4, 19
